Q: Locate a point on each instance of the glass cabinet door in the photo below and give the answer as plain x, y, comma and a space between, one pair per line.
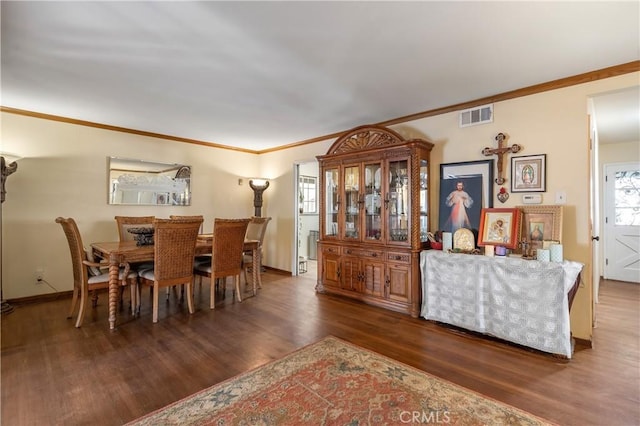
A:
352, 202
331, 202
398, 200
424, 200
373, 201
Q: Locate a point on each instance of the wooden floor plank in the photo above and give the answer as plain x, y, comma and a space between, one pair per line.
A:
53, 373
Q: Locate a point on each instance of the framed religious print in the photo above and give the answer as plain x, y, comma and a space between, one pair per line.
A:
460, 204
500, 227
541, 224
465, 189
467, 169
529, 173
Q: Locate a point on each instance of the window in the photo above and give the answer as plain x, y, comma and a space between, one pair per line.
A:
308, 189
627, 198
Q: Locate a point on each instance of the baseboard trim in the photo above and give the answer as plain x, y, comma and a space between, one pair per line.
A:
278, 271
40, 298
583, 343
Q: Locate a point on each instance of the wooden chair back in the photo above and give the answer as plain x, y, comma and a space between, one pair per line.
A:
228, 241
127, 222
174, 245
78, 254
87, 275
179, 217
257, 228
255, 231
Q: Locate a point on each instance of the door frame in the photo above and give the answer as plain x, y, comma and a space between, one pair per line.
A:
295, 264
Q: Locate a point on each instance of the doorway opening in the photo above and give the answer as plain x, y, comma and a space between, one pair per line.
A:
307, 218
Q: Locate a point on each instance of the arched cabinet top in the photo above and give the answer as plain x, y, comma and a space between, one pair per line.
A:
366, 137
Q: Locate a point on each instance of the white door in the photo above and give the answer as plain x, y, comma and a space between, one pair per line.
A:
622, 222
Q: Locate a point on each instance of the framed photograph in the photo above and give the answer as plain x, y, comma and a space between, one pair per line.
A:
468, 169
541, 224
500, 227
529, 173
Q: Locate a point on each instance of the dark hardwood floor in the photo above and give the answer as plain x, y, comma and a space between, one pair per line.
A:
55, 374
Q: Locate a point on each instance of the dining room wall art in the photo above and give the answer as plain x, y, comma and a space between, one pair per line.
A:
529, 173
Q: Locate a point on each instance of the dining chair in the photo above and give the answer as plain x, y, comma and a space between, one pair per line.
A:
255, 231
87, 275
226, 254
124, 223
199, 258
174, 250
127, 222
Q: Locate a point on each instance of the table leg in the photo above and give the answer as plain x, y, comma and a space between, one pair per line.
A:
114, 287
255, 265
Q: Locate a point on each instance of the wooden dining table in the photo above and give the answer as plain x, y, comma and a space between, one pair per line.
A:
120, 253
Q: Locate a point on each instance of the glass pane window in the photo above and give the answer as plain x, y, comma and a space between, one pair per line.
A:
352, 201
398, 200
627, 198
373, 201
331, 202
307, 193
424, 202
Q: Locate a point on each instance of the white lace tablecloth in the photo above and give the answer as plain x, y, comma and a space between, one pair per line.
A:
522, 301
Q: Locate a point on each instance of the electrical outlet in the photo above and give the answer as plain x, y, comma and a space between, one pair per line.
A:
561, 197
39, 275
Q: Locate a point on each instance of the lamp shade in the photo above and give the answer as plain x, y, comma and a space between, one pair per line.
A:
259, 183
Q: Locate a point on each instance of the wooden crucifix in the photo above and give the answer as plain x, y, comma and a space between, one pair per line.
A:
500, 151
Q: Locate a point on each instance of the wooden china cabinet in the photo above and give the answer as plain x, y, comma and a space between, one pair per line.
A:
374, 217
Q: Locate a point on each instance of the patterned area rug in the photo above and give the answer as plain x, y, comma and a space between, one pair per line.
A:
333, 382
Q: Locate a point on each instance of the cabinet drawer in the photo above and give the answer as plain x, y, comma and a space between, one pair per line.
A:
374, 254
331, 250
399, 257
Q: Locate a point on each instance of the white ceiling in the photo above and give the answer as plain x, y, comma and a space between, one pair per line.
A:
258, 75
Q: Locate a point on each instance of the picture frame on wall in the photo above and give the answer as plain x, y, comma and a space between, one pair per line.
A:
500, 227
466, 169
460, 203
529, 173
541, 224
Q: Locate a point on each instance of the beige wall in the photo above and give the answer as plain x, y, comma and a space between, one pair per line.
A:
63, 174
280, 200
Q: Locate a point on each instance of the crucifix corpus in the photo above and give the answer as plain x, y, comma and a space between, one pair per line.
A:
500, 151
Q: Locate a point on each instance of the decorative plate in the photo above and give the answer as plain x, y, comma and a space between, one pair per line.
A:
463, 239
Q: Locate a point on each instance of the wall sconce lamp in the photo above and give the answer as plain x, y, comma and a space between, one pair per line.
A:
258, 186
8, 166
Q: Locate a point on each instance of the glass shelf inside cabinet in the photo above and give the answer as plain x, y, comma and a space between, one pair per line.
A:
424, 201
398, 200
373, 201
332, 202
352, 201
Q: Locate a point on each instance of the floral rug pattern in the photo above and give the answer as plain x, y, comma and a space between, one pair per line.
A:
333, 382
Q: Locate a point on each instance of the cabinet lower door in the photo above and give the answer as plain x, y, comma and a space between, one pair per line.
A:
351, 274
399, 280
331, 270
373, 275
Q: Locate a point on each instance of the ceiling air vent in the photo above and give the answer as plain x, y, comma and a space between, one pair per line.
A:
477, 115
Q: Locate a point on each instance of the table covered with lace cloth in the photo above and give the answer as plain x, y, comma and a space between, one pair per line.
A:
522, 301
